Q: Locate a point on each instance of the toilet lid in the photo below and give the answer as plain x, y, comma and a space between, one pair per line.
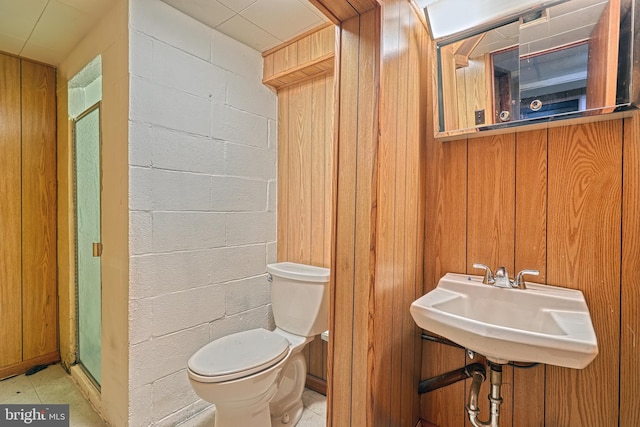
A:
239, 355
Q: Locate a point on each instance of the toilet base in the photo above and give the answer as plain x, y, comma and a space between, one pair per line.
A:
290, 417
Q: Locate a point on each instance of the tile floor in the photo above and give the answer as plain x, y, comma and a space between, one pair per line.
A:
54, 385
51, 385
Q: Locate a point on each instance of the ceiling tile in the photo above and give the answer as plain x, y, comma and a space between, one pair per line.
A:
209, 12
237, 5
57, 16
248, 33
10, 44
282, 18
92, 7
17, 18
41, 54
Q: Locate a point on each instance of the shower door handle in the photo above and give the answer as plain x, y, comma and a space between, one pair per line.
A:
97, 249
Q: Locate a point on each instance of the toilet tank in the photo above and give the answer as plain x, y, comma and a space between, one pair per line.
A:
300, 297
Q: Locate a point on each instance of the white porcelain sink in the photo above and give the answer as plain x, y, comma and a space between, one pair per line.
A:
541, 324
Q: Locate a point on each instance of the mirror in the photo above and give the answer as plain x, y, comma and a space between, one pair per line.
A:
572, 59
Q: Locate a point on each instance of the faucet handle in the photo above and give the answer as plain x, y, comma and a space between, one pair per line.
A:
488, 274
519, 282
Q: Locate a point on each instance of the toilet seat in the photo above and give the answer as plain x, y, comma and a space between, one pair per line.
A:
238, 355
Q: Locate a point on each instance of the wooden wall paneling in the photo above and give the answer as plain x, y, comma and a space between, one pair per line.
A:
301, 58
630, 326
329, 163
283, 172
584, 252
319, 236
491, 227
445, 250
387, 336
412, 280
317, 142
364, 400
338, 11
301, 164
39, 269
10, 213
322, 42
530, 253
341, 321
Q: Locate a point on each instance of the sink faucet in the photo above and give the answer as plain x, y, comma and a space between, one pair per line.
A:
501, 277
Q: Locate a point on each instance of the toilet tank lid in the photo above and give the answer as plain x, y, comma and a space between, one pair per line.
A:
239, 354
295, 271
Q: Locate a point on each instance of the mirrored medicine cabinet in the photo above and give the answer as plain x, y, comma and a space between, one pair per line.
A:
565, 60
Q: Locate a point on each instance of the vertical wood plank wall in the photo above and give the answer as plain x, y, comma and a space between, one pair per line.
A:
28, 298
305, 161
10, 213
375, 344
557, 200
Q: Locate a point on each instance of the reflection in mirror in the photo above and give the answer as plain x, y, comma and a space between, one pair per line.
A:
467, 71
568, 58
572, 59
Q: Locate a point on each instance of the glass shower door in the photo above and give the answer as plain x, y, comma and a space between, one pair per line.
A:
88, 245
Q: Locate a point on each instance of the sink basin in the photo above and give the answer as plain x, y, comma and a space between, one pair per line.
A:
540, 324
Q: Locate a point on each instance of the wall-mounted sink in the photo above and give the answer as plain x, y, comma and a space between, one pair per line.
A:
540, 324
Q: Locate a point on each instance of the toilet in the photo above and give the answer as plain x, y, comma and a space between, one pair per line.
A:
256, 377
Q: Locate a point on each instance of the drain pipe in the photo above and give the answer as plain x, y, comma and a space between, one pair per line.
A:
495, 374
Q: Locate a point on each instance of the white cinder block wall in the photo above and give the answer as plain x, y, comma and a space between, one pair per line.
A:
202, 194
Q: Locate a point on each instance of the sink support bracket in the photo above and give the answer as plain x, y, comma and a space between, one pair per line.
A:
443, 380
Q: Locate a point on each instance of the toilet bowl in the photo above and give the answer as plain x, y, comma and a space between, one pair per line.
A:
256, 377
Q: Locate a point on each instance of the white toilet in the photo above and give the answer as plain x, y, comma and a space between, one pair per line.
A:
256, 378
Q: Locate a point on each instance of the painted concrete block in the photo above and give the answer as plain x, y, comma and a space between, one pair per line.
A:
159, 357
251, 227
140, 241
247, 294
231, 194
251, 96
235, 57
172, 393
139, 330
180, 191
177, 231
250, 162
159, 274
185, 152
141, 405
260, 317
237, 262
179, 70
182, 310
234, 125
140, 54
159, 20
140, 188
141, 144
167, 107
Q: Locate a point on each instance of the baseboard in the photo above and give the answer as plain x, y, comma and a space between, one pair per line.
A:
316, 384
22, 367
423, 423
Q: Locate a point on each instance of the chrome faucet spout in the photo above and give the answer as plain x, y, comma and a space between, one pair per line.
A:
502, 278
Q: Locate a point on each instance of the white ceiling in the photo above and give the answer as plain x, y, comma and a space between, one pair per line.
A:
260, 24
47, 30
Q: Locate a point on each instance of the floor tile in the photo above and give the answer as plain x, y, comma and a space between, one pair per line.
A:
51, 385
